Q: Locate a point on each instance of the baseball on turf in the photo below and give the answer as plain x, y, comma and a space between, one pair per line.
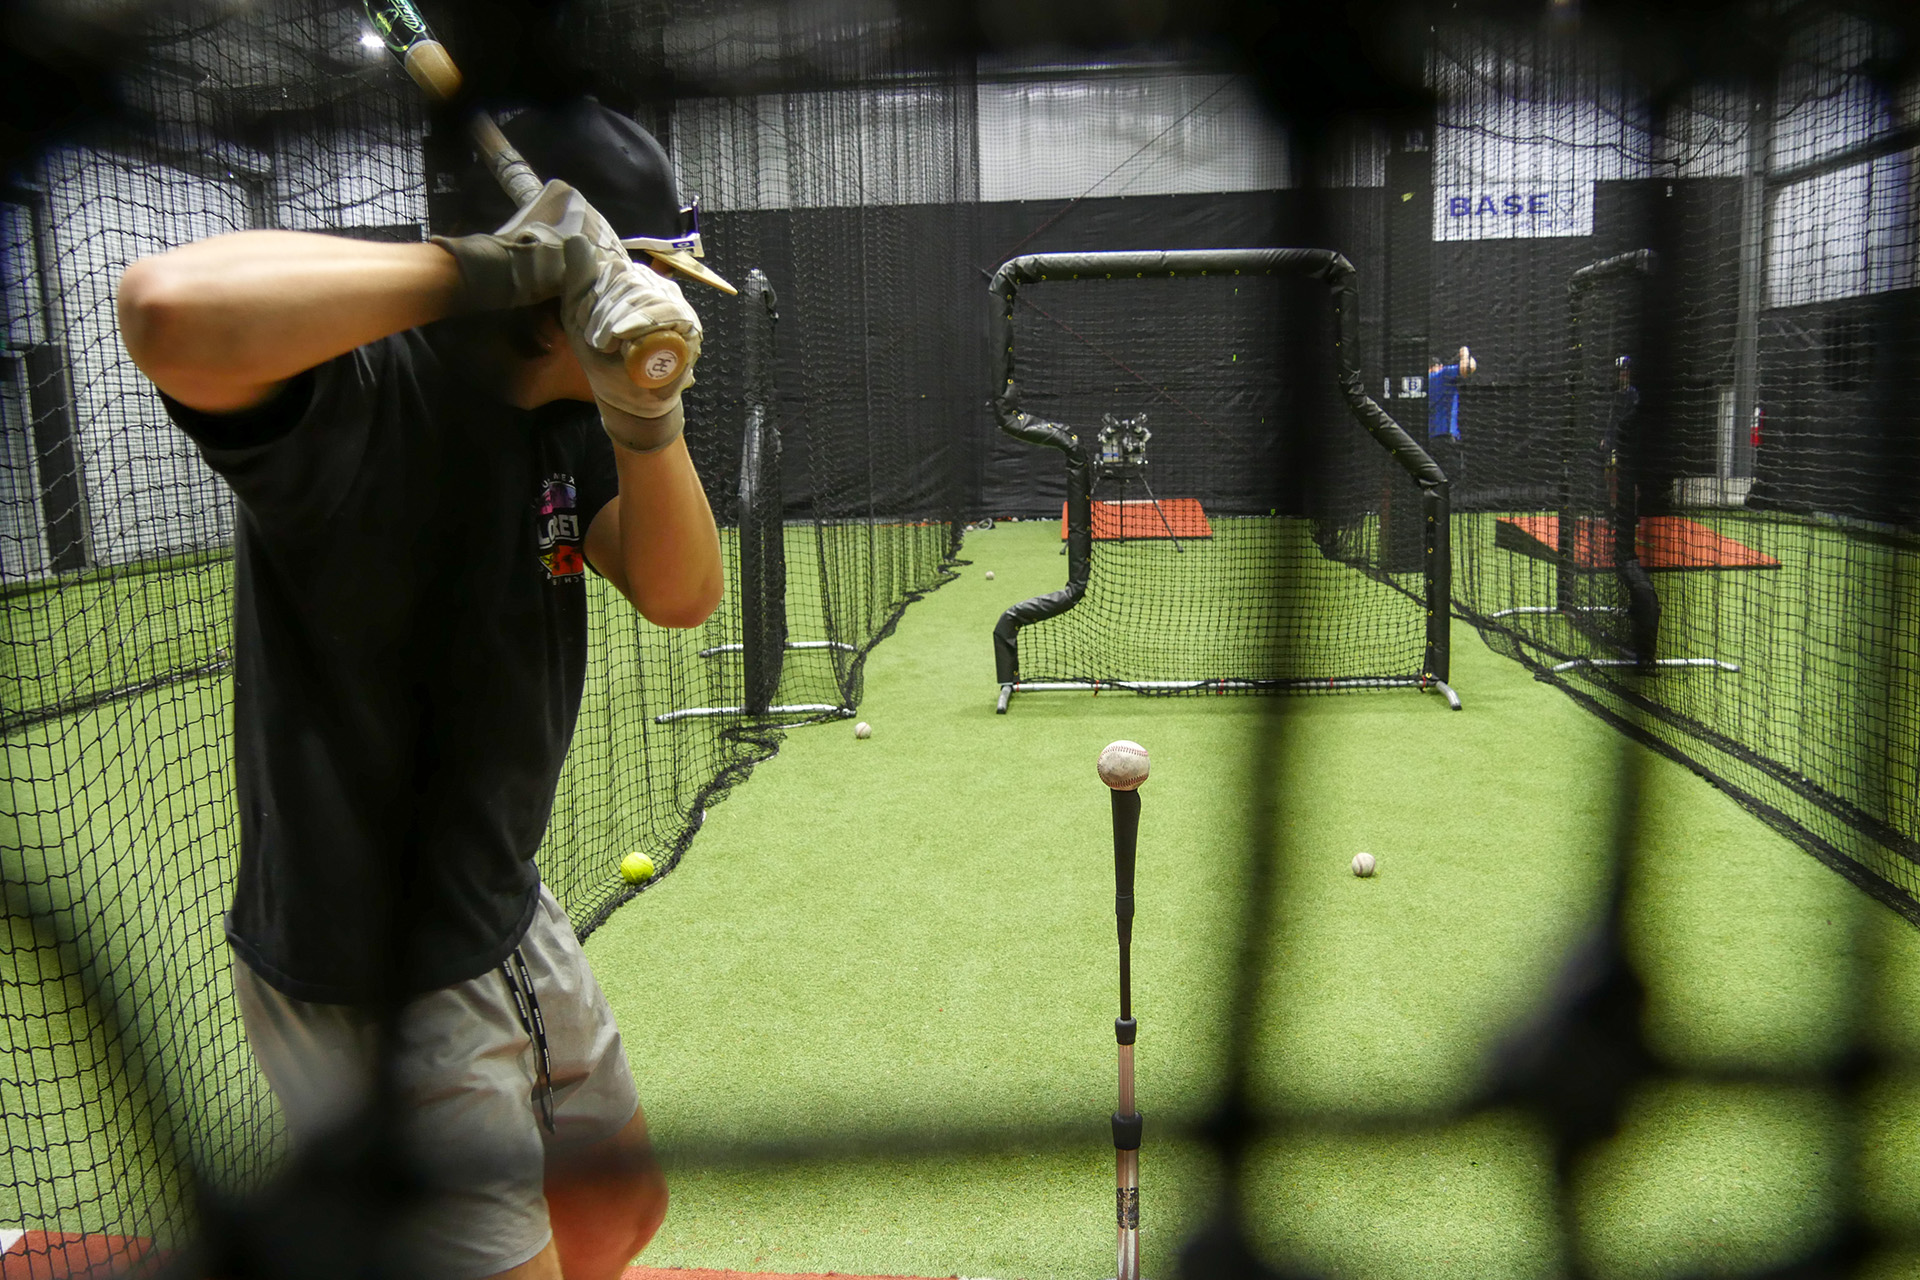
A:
1363, 864
636, 868
989, 575
1123, 765
863, 730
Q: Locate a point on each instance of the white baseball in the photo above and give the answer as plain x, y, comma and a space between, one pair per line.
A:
863, 730
1123, 765
1363, 864
989, 575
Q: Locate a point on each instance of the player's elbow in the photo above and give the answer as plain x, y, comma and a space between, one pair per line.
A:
144, 311
681, 605
159, 326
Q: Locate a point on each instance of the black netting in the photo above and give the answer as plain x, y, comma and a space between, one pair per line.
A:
116, 552
1679, 268
1685, 493
1200, 398
127, 1077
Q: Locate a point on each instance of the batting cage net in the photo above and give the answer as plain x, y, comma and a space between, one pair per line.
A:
1262, 469
1598, 336
129, 1088
1690, 434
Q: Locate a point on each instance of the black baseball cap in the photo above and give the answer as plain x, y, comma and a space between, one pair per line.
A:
618, 166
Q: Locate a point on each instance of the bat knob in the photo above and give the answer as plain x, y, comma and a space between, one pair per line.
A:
431, 67
657, 359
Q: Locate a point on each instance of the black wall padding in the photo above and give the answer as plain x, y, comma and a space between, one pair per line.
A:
1019, 480
1839, 437
873, 342
923, 325
921, 322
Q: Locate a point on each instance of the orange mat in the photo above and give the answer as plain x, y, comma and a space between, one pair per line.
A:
1138, 518
1664, 542
57, 1255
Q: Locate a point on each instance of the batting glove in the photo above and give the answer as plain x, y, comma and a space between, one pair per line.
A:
610, 301
525, 261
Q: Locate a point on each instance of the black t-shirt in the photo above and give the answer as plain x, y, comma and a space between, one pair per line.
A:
409, 649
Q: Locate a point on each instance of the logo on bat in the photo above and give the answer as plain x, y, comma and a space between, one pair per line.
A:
662, 364
398, 23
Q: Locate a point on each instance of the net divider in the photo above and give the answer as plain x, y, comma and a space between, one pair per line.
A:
762, 589
1642, 599
1325, 265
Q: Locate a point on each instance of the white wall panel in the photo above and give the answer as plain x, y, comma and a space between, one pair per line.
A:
1524, 135
1108, 135
148, 491
834, 148
1122, 135
1844, 234
1853, 231
357, 174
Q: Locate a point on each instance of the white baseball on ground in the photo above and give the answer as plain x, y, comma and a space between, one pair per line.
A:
1363, 864
989, 575
863, 730
1123, 765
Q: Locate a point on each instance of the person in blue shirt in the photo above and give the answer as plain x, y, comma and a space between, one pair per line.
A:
1443, 394
1443, 414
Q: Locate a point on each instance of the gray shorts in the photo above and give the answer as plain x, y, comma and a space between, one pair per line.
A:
467, 1076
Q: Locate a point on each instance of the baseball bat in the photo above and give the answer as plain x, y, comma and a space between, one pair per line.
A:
652, 361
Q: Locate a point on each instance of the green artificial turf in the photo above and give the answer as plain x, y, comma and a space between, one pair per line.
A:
871, 1012
93, 633
1201, 608
1819, 643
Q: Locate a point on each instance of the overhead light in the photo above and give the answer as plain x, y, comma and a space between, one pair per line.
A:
371, 40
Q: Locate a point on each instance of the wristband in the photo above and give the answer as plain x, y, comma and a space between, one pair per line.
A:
500, 272
643, 435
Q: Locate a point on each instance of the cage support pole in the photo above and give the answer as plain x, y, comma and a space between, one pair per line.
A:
1754, 203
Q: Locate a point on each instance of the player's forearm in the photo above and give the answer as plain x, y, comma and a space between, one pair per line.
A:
670, 550
220, 323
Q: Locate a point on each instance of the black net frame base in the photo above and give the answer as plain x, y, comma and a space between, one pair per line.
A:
1225, 685
1337, 273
